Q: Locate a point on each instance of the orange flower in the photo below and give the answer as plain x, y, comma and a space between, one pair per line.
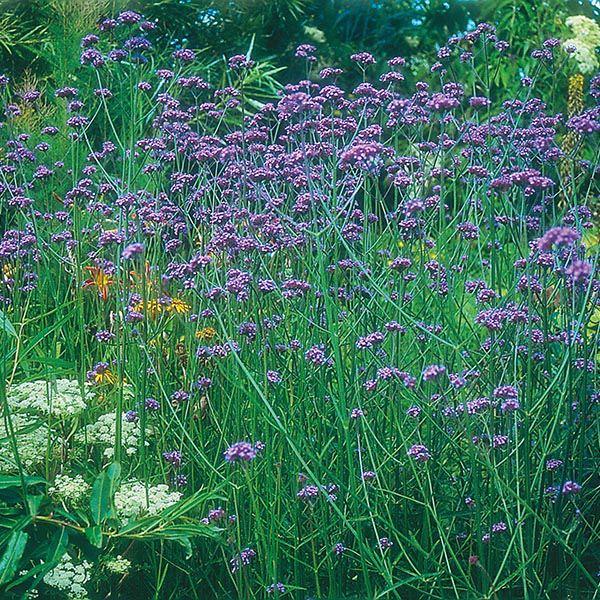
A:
137, 277
100, 280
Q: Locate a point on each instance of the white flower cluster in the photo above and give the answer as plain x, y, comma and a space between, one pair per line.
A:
117, 565
131, 500
103, 433
71, 489
61, 398
585, 40
32, 441
69, 577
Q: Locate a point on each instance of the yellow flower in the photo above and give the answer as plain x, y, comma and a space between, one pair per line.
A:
178, 306
181, 352
206, 334
575, 94
7, 273
152, 307
594, 321
104, 376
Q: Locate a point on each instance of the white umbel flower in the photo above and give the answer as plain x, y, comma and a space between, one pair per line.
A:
61, 398
584, 28
117, 565
32, 443
131, 501
103, 433
582, 46
70, 577
70, 488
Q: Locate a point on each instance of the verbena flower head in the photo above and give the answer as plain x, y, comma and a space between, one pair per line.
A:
385, 543
571, 487
433, 372
243, 559
240, 452
363, 58
240, 61
558, 236
276, 587
419, 452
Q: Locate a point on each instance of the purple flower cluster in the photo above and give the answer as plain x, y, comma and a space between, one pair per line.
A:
347, 270
241, 452
419, 452
243, 559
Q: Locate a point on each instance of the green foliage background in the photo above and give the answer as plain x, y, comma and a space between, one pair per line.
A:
40, 38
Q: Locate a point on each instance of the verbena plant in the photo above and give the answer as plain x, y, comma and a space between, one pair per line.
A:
354, 331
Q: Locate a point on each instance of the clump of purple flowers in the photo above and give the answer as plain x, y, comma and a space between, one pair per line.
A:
418, 249
571, 487
433, 372
276, 587
508, 395
419, 452
241, 452
243, 559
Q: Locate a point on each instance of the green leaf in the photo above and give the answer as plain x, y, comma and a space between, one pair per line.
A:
9, 563
187, 545
8, 481
103, 491
18, 524
6, 325
94, 535
148, 530
34, 502
40, 336
56, 549
77, 518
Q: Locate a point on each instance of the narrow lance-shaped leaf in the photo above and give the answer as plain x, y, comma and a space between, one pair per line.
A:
9, 563
57, 547
6, 325
103, 491
8, 481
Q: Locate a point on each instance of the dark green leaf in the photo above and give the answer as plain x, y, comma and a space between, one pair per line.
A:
152, 531
94, 535
103, 491
18, 524
6, 325
187, 545
8, 481
9, 563
56, 549
34, 502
